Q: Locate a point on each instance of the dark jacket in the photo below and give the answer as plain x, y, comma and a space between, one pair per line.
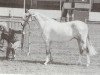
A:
10, 37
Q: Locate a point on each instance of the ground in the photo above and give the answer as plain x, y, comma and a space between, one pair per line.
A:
64, 56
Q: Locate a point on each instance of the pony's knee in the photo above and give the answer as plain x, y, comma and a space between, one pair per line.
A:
83, 44
83, 47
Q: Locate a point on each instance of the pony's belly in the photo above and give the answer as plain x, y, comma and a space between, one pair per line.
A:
61, 37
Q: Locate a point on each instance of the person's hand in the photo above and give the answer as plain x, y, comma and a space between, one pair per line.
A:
23, 32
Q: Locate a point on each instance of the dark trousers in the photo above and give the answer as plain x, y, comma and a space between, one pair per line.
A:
70, 15
64, 15
10, 50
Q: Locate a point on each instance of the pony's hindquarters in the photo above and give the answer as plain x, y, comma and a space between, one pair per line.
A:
85, 42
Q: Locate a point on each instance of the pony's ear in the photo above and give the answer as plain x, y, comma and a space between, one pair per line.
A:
27, 10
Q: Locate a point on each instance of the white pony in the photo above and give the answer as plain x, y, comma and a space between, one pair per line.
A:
64, 31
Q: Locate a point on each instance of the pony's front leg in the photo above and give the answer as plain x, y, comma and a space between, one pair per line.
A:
88, 60
48, 53
79, 60
13, 53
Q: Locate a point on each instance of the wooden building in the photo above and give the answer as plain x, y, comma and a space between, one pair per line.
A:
44, 4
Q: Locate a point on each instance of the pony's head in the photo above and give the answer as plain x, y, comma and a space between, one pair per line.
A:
27, 16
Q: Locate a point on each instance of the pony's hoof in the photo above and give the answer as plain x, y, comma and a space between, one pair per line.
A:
51, 60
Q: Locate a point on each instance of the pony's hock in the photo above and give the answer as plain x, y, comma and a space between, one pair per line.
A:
63, 31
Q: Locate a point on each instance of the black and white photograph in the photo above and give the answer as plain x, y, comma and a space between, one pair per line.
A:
50, 37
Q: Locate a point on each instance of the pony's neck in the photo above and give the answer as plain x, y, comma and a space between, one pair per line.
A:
40, 20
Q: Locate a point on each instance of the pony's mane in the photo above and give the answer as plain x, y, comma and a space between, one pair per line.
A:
45, 18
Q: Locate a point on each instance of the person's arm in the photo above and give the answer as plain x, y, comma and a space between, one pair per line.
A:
17, 31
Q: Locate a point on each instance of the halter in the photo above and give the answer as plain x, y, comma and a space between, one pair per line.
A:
23, 27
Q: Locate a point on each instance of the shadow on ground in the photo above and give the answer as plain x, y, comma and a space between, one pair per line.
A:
37, 61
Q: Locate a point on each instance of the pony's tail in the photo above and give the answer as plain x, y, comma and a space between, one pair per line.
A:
90, 47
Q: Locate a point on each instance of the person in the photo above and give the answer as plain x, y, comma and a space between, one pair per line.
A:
68, 11
12, 42
71, 11
64, 12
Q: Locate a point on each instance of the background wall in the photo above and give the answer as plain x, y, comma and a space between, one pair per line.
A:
96, 1
19, 12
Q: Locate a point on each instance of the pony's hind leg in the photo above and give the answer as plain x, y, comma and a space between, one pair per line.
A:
83, 47
48, 53
80, 51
